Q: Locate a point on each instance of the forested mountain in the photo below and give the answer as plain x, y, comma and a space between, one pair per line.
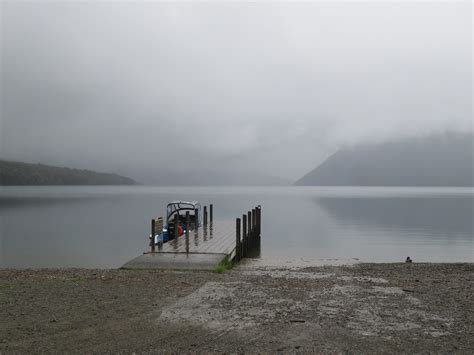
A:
16, 173
438, 160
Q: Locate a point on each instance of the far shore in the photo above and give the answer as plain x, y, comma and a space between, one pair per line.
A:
361, 308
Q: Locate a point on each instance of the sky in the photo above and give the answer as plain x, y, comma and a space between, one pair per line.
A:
271, 87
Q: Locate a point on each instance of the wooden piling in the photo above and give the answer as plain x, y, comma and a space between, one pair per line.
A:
237, 240
187, 232
253, 218
249, 231
259, 220
152, 241
244, 236
176, 224
205, 215
254, 226
211, 213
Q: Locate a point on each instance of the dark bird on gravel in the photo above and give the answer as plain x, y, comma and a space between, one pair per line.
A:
408, 260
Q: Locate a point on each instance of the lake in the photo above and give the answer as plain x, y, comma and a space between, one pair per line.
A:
106, 226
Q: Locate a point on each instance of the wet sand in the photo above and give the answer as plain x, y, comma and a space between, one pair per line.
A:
361, 308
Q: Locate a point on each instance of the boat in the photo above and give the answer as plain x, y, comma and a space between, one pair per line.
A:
179, 209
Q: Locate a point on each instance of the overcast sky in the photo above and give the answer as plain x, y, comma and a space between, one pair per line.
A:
275, 87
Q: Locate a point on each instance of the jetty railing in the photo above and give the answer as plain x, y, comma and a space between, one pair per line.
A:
248, 233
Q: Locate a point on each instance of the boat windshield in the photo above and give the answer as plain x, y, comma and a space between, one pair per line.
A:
177, 206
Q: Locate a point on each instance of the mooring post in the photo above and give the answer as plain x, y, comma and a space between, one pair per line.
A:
249, 232
211, 213
152, 235
254, 226
237, 239
196, 220
259, 220
244, 236
187, 232
176, 221
205, 215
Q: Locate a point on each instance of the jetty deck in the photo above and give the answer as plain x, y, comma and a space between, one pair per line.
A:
205, 247
217, 237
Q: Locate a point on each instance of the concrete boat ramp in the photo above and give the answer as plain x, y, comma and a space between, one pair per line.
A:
202, 249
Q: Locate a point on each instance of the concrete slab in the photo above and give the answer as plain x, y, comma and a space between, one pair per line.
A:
175, 261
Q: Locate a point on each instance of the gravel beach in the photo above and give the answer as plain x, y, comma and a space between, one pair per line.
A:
362, 308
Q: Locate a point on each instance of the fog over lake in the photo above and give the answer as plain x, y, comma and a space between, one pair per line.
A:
147, 89
236, 93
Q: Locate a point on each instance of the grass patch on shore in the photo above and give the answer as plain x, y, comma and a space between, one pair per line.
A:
224, 265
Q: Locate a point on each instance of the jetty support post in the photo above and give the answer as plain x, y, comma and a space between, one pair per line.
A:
259, 220
256, 224
211, 213
205, 215
254, 227
244, 236
196, 220
249, 231
249, 222
152, 236
187, 232
237, 239
176, 221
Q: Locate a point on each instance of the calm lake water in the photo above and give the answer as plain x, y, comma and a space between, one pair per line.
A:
107, 226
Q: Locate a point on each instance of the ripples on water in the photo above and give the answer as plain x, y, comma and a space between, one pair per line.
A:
107, 226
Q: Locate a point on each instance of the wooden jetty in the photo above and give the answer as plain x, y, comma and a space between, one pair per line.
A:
204, 247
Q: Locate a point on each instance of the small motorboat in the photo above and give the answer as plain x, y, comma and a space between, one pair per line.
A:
178, 209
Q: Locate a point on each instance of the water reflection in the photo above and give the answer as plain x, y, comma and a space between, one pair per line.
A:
436, 217
107, 226
388, 229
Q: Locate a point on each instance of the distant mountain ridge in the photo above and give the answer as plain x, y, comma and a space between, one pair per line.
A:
17, 173
438, 160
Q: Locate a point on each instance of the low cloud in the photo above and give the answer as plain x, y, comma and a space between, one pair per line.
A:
275, 87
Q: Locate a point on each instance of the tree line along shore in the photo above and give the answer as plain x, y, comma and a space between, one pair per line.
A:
17, 173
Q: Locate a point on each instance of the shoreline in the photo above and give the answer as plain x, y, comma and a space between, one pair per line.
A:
289, 264
363, 307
